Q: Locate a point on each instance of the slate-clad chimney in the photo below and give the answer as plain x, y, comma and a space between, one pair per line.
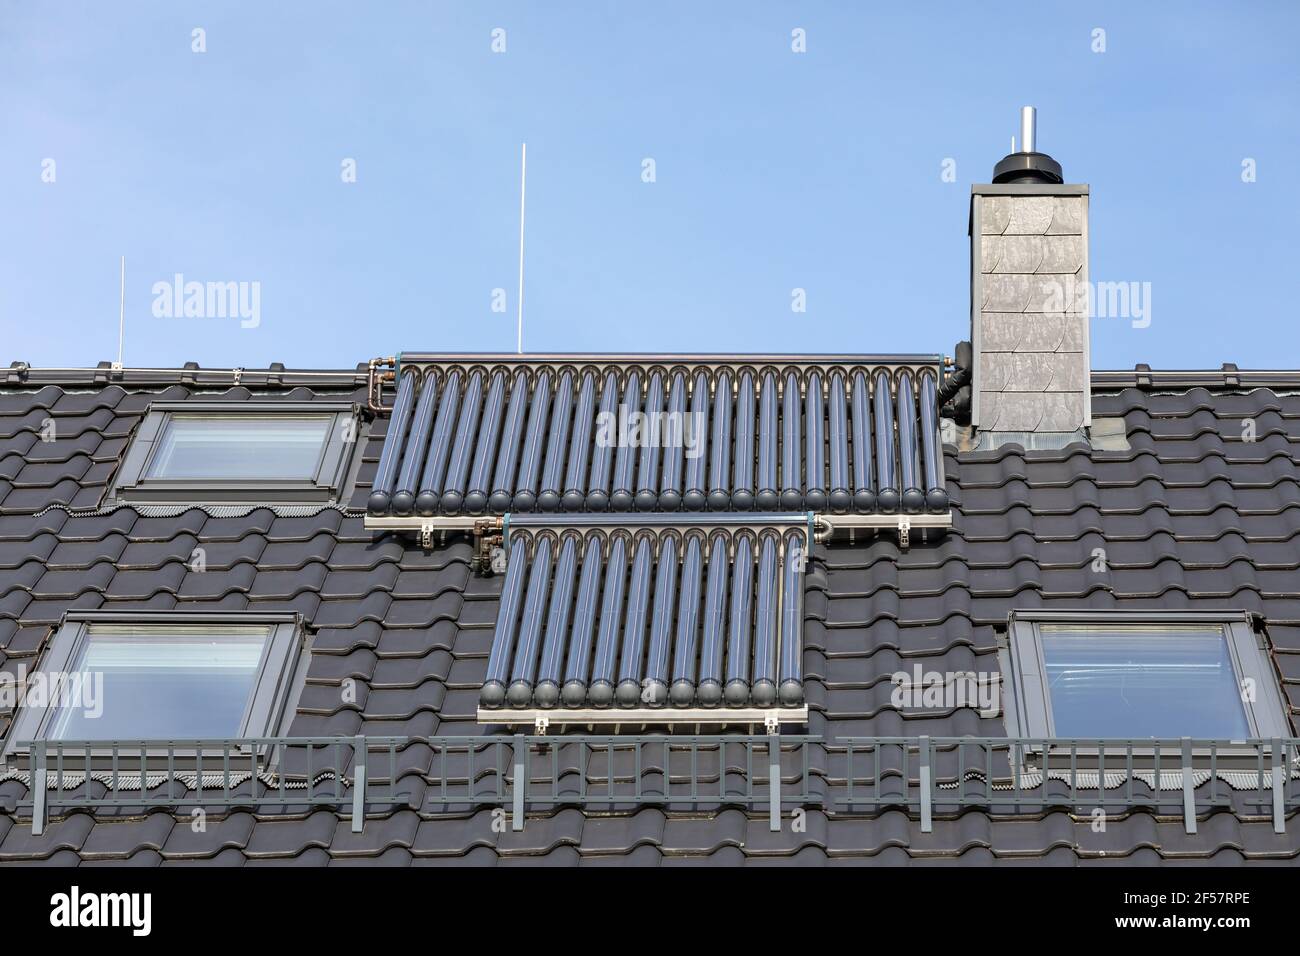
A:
1029, 281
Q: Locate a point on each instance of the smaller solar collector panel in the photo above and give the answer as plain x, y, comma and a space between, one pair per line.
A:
766, 622
550, 671
687, 644
632, 657
791, 650
669, 627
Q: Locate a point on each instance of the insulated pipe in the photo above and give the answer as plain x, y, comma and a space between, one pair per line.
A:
792, 621
603, 455
720, 445
652, 439
886, 479
814, 427
578, 664
864, 485
493, 693
547, 691
503, 481
632, 659
670, 485
841, 497
769, 499
740, 631
621, 498
765, 622
480, 476
909, 454
558, 443
584, 419
417, 443
791, 445
694, 497
600, 692
524, 671
435, 466
654, 690
530, 461
687, 645
936, 494
742, 462
709, 689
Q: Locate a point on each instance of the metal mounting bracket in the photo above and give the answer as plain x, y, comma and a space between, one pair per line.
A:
904, 531
772, 723
541, 724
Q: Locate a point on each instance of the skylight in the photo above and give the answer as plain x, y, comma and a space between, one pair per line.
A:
161, 676
221, 452
240, 446
1143, 675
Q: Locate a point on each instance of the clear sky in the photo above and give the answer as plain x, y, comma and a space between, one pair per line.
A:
773, 170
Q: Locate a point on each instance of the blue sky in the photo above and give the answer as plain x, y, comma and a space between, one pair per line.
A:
774, 170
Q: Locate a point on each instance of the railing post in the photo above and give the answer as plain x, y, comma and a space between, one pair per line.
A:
1189, 798
359, 758
520, 750
773, 783
1279, 788
926, 808
38, 787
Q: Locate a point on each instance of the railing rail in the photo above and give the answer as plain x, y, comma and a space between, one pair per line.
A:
925, 776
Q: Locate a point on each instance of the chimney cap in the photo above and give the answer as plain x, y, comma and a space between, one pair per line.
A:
1027, 165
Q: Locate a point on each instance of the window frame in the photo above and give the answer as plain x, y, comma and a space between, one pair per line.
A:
333, 466
270, 706
1027, 706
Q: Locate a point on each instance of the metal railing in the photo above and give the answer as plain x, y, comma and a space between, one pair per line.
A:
437, 774
925, 776
1013, 775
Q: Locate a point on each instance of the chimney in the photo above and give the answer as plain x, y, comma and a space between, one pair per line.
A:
1029, 302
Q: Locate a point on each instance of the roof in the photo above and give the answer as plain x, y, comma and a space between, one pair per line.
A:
1191, 517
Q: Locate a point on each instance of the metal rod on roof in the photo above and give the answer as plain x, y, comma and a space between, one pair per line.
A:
121, 313
523, 181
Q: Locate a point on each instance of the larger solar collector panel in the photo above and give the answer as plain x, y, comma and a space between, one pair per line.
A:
662, 437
